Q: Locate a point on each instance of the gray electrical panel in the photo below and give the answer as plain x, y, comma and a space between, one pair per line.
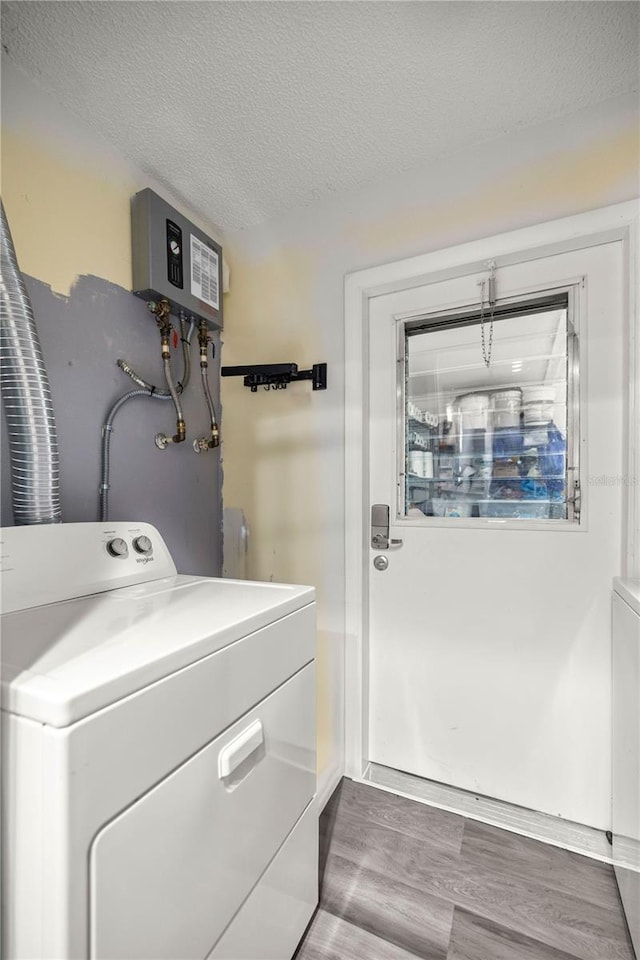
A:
175, 260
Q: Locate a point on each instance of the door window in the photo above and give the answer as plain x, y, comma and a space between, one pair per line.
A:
489, 413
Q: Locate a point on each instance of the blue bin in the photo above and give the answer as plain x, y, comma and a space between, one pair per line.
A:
507, 443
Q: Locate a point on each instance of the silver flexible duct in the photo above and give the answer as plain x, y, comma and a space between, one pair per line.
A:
26, 397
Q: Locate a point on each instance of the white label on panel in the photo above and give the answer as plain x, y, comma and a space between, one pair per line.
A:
204, 273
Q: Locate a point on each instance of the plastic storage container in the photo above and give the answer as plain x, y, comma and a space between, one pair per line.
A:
474, 411
537, 404
506, 407
515, 509
421, 463
475, 443
507, 443
552, 459
451, 508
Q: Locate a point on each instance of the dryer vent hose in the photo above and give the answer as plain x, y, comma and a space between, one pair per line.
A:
26, 398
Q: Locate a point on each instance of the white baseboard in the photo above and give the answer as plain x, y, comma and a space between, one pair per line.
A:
529, 823
327, 783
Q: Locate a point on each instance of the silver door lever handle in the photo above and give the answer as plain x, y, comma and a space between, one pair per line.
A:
380, 542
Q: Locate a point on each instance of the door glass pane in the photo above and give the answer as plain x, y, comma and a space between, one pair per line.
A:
489, 441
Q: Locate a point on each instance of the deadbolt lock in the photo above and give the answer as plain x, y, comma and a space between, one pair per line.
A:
380, 528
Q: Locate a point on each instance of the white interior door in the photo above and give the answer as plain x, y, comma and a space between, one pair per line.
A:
489, 641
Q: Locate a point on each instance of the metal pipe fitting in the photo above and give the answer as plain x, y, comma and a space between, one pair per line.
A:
161, 310
181, 385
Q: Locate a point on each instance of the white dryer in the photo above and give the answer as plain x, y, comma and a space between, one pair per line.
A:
158, 753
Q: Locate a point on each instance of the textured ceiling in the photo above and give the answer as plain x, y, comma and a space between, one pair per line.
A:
246, 109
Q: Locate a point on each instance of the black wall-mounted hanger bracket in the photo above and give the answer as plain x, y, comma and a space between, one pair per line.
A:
277, 376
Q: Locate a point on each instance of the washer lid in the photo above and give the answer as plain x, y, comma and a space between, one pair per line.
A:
63, 661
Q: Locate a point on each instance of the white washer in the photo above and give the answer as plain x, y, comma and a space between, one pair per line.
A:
158, 753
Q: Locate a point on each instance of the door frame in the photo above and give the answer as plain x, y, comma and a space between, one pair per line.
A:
620, 222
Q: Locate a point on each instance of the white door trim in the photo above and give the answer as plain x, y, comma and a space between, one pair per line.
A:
618, 222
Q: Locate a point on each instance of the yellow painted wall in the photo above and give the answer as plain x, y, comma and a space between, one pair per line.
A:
272, 457
283, 452
68, 218
66, 191
65, 221
576, 179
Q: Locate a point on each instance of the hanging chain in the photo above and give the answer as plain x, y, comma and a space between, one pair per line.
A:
490, 285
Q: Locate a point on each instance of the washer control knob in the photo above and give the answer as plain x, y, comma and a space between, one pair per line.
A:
142, 544
118, 547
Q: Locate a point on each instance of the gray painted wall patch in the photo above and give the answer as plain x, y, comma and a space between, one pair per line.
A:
177, 490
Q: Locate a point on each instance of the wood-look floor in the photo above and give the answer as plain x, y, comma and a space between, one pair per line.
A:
401, 880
